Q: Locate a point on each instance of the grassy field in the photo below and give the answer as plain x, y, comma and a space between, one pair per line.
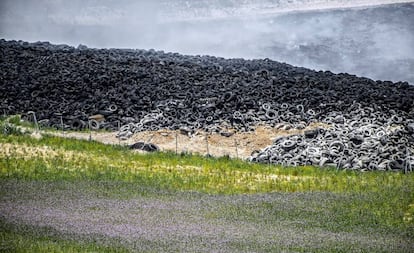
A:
167, 202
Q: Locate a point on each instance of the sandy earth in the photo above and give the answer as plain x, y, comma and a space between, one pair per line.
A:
239, 145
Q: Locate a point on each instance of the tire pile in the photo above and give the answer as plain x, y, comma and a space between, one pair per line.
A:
138, 90
361, 142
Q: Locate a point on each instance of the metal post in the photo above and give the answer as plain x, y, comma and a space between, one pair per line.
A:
119, 129
176, 142
341, 161
149, 140
407, 161
237, 151
90, 131
61, 124
35, 120
208, 151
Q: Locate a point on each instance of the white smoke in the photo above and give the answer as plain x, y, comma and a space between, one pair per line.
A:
293, 31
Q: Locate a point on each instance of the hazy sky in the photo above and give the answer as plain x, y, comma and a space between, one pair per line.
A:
136, 23
229, 28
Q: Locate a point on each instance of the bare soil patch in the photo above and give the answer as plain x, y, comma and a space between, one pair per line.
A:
238, 145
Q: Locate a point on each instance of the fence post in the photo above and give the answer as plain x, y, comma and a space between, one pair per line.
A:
237, 150
61, 124
149, 140
119, 129
176, 142
90, 131
207, 148
407, 161
35, 120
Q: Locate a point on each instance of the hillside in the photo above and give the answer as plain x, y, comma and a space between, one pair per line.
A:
150, 90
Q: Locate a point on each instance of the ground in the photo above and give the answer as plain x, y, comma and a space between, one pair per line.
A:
140, 219
66, 195
239, 145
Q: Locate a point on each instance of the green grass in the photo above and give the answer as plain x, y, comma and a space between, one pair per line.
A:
315, 214
21, 239
368, 200
53, 158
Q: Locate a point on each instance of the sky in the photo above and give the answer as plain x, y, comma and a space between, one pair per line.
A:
309, 33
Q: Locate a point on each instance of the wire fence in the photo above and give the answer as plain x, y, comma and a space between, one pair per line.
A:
180, 145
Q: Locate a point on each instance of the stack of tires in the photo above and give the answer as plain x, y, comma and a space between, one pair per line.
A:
146, 90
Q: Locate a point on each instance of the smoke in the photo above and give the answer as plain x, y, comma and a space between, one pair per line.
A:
375, 42
105, 23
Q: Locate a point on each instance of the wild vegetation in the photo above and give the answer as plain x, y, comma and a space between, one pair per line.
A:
322, 201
